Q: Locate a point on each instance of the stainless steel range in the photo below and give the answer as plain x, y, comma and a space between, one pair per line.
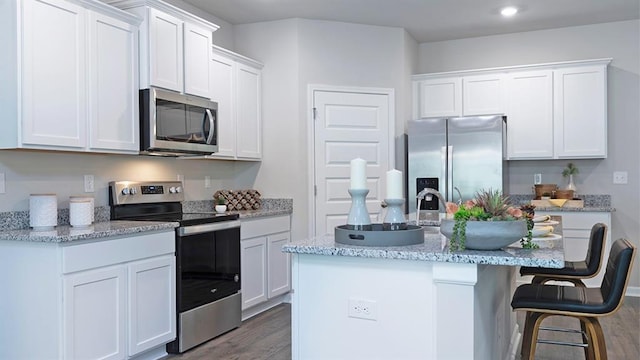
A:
207, 258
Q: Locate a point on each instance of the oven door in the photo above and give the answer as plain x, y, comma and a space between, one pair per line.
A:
208, 263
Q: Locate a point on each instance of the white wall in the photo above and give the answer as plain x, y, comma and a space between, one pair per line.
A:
618, 40
299, 52
29, 172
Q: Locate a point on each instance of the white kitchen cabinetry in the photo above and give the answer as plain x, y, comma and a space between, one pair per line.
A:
266, 270
446, 96
67, 75
109, 299
576, 229
554, 111
580, 111
236, 87
175, 46
530, 114
113, 95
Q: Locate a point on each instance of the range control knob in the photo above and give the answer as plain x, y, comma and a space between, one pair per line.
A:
133, 191
179, 189
172, 190
125, 191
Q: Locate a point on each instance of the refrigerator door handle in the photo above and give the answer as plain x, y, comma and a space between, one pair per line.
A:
444, 156
449, 186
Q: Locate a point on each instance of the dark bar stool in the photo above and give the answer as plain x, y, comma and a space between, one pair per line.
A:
575, 271
586, 304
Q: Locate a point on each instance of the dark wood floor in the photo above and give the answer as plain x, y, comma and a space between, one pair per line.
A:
268, 337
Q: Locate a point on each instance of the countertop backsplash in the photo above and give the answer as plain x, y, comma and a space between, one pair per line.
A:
590, 201
16, 220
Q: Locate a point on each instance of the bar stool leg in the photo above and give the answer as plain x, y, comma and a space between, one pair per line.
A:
589, 353
596, 337
530, 336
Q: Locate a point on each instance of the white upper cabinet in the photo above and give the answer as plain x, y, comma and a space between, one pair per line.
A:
69, 74
113, 104
554, 111
222, 92
197, 55
237, 88
580, 111
248, 112
54, 74
165, 51
530, 114
483, 94
175, 47
448, 96
439, 97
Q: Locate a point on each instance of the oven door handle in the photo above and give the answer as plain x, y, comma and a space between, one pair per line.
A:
205, 228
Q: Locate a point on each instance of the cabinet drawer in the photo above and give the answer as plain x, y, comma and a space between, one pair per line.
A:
260, 227
114, 251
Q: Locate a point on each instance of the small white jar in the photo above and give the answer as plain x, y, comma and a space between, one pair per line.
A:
80, 212
43, 211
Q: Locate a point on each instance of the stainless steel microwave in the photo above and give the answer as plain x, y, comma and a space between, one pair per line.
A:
173, 124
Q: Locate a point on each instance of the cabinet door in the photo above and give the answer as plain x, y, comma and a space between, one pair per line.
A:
165, 51
483, 95
279, 278
249, 112
530, 115
440, 97
54, 80
580, 112
94, 314
152, 295
197, 55
222, 72
113, 93
253, 271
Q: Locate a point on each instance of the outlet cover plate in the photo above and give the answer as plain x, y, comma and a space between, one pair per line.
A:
363, 309
620, 177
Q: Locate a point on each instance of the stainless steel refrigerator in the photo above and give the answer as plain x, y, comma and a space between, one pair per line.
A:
456, 156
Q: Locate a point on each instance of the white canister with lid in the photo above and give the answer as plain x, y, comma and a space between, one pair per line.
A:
43, 211
80, 211
89, 198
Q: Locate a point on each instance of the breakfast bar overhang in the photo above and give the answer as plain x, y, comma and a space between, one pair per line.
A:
408, 302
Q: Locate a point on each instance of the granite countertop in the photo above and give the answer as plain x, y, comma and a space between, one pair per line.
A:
14, 226
435, 248
99, 230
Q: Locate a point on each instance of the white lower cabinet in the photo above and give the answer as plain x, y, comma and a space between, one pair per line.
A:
94, 314
576, 230
106, 299
265, 269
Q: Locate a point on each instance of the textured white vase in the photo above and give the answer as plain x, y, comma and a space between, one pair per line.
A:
221, 208
43, 211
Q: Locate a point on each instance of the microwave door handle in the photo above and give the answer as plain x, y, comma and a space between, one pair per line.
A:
212, 127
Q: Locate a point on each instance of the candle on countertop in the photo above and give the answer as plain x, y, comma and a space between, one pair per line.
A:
358, 174
394, 184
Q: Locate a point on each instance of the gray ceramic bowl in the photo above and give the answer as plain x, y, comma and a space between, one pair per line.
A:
488, 235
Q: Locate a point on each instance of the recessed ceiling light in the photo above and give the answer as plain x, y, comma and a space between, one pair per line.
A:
509, 11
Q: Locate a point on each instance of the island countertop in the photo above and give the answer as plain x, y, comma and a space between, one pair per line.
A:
435, 248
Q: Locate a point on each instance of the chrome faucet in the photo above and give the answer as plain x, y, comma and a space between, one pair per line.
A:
459, 195
428, 193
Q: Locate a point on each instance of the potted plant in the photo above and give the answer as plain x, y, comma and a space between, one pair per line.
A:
569, 171
487, 222
221, 205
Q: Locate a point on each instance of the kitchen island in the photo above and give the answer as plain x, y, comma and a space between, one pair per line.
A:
409, 302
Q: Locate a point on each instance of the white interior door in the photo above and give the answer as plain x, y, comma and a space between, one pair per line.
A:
348, 125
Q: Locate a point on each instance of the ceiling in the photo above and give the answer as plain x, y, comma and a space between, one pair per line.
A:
430, 20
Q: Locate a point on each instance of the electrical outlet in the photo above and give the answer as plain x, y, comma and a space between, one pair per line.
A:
207, 182
180, 177
537, 179
619, 177
88, 183
363, 309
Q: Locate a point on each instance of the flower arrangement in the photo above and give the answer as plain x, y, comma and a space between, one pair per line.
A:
488, 205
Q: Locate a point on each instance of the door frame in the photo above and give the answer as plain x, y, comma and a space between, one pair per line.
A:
311, 89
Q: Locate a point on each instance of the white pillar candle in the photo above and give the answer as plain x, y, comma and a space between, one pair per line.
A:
394, 184
358, 174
